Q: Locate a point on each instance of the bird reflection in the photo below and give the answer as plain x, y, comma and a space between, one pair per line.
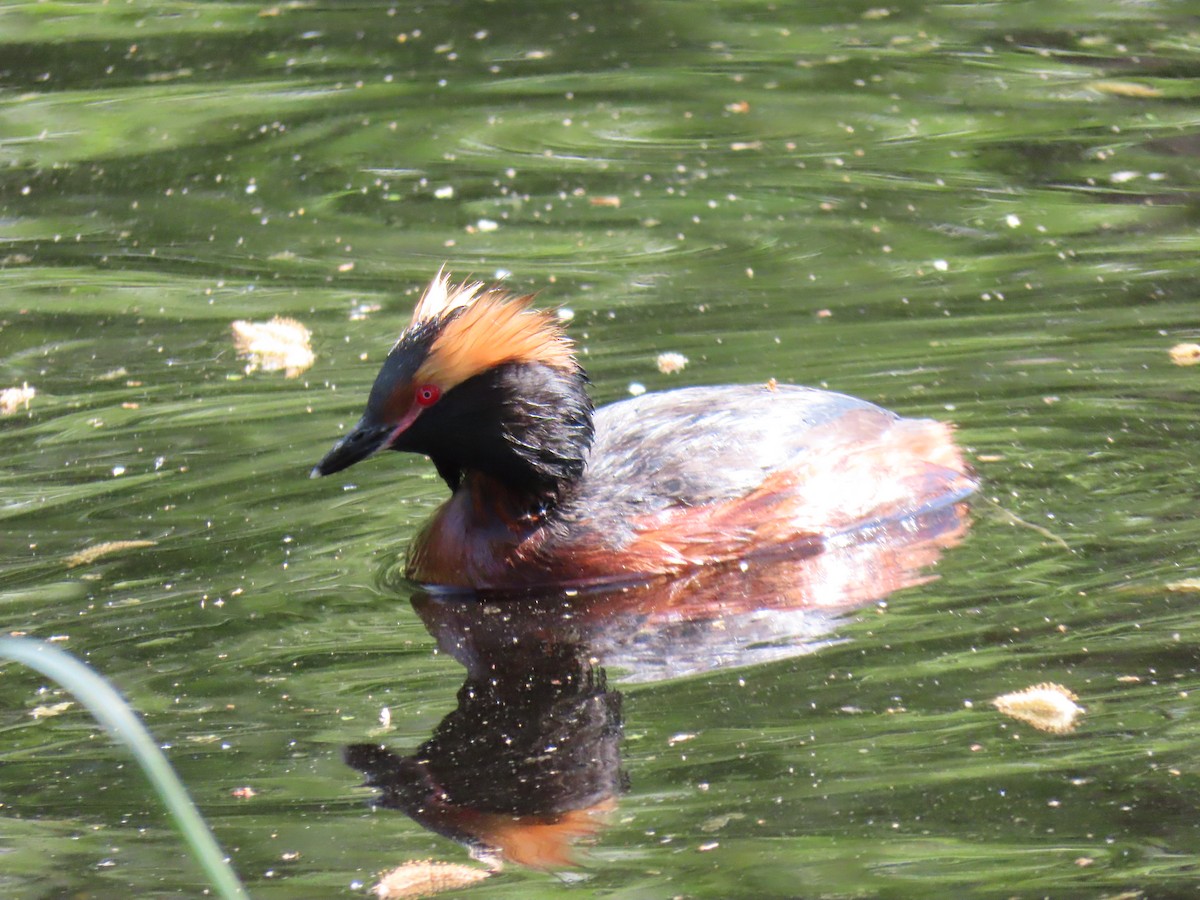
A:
528, 764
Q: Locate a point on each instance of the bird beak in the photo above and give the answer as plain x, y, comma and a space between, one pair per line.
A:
365, 439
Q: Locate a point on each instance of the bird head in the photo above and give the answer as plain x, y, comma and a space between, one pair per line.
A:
479, 380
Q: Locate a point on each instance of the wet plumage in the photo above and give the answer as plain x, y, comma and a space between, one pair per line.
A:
546, 492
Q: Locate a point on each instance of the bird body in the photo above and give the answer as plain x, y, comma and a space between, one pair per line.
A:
546, 492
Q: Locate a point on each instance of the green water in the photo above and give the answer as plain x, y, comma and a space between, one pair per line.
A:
984, 213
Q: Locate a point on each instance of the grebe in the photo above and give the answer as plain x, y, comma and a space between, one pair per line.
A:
546, 491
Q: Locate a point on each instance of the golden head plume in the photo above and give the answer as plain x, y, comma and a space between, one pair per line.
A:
440, 298
477, 328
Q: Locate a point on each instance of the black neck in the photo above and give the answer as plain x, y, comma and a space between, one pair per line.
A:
527, 425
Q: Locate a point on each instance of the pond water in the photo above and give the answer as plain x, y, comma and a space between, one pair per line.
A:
981, 213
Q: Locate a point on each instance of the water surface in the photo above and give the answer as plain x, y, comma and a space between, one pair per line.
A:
980, 213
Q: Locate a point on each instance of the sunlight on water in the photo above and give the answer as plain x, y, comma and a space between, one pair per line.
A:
979, 214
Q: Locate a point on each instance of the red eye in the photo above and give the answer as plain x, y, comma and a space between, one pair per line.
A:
428, 394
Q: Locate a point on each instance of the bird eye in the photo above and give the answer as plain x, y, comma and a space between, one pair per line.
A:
428, 394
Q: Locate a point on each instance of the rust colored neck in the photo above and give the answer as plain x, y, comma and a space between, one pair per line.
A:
480, 536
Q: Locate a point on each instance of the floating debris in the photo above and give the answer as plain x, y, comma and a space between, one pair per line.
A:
1185, 586
671, 363
1125, 89
1047, 707
424, 878
1185, 354
96, 551
54, 709
281, 343
13, 398
716, 823
385, 722
362, 309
